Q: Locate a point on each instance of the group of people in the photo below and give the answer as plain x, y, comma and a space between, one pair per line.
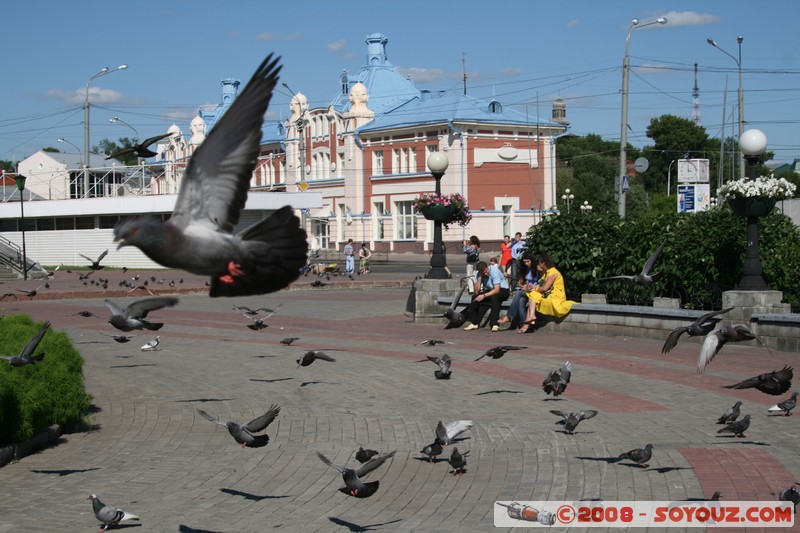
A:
364, 255
538, 287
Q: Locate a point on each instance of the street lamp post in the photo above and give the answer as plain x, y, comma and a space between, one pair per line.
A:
586, 207
80, 164
623, 135
438, 163
739, 40
568, 198
115, 120
86, 141
752, 144
20, 179
669, 176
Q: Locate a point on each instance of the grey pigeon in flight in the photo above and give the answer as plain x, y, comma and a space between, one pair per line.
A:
252, 312
458, 461
289, 340
737, 428
197, 237
556, 381
243, 433
715, 340
362, 455
730, 414
122, 339
141, 149
434, 342
446, 434
644, 277
785, 406
352, 477
133, 316
702, 326
312, 355
774, 383
95, 265
444, 362
108, 514
640, 456
26, 356
499, 351
570, 421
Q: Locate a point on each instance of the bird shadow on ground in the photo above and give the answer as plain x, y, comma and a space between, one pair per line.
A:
730, 439
251, 497
303, 384
609, 460
667, 469
432, 461
126, 526
270, 380
357, 528
204, 400
124, 356
64, 472
264, 356
553, 399
133, 366
565, 432
186, 529
498, 391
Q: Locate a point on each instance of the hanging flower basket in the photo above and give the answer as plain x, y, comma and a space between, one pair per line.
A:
450, 209
440, 212
752, 206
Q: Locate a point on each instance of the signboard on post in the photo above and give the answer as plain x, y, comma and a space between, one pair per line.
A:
626, 186
694, 198
692, 170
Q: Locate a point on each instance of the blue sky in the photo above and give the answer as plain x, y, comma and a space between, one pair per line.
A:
525, 53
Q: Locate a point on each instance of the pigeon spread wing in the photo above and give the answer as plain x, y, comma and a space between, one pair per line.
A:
214, 189
651, 261
114, 308
264, 420
672, 339
328, 462
711, 346
140, 308
374, 463
211, 418
29, 348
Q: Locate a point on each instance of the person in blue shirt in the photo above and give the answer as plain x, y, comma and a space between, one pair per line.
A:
518, 309
491, 290
517, 247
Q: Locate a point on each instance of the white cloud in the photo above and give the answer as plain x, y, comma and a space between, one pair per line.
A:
511, 71
338, 46
689, 18
650, 68
572, 24
266, 36
97, 95
427, 75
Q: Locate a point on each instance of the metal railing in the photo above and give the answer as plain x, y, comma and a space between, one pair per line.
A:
11, 255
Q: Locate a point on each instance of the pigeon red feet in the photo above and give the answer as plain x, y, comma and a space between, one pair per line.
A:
234, 271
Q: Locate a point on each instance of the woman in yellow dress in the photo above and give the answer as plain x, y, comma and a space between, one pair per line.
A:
549, 297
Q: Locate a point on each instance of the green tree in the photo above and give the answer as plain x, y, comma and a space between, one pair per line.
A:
51, 149
8, 166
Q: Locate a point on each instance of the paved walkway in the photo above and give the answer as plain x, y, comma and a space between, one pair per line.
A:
152, 455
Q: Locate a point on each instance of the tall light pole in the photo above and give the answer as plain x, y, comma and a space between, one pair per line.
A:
20, 179
103, 71
115, 120
739, 40
669, 176
568, 197
80, 164
437, 164
623, 134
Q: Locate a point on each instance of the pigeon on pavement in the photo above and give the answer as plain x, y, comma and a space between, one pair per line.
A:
570, 421
643, 278
141, 149
702, 326
289, 340
95, 265
786, 405
455, 319
122, 339
151, 346
133, 316
312, 355
730, 415
774, 383
352, 477
362, 455
108, 514
26, 356
432, 450
443, 362
243, 433
640, 456
499, 351
458, 461
737, 428
317, 283
556, 381
717, 339
790, 495
197, 237
447, 434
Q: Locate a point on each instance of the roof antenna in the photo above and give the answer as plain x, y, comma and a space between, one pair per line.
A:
464, 70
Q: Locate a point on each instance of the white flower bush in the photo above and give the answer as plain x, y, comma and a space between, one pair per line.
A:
777, 188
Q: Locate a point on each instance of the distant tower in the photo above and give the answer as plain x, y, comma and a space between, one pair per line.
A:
560, 111
696, 99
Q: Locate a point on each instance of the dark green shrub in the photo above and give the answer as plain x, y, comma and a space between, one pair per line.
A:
35, 396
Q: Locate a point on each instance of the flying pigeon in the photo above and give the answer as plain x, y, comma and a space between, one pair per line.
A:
730, 415
108, 514
289, 340
95, 265
640, 456
786, 405
774, 383
717, 339
444, 363
556, 381
447, 434
252, 312
151, 346
26, 356
265, 257
643, 278
362, 455
737, 428
312, 355
790, 495
141, 149
122, 339
717, 496
499, 351
570, 421
434, 342
458, 461
85, 314
432, 450
243, 433
352, 477
702, 326
33, 292
132, 317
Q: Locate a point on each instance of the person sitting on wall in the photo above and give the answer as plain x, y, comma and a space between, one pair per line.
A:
548, 297
491, 288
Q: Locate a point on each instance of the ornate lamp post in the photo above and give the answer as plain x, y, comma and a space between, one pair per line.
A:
752, 143
586, 207
437, 163
20, 179
568, 198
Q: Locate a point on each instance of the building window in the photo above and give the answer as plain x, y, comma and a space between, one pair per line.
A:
319, 228
377, 210
340, 163
406, 220
495, 107
377, 162
506, 220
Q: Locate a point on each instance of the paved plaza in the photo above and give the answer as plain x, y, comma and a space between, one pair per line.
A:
150, 453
